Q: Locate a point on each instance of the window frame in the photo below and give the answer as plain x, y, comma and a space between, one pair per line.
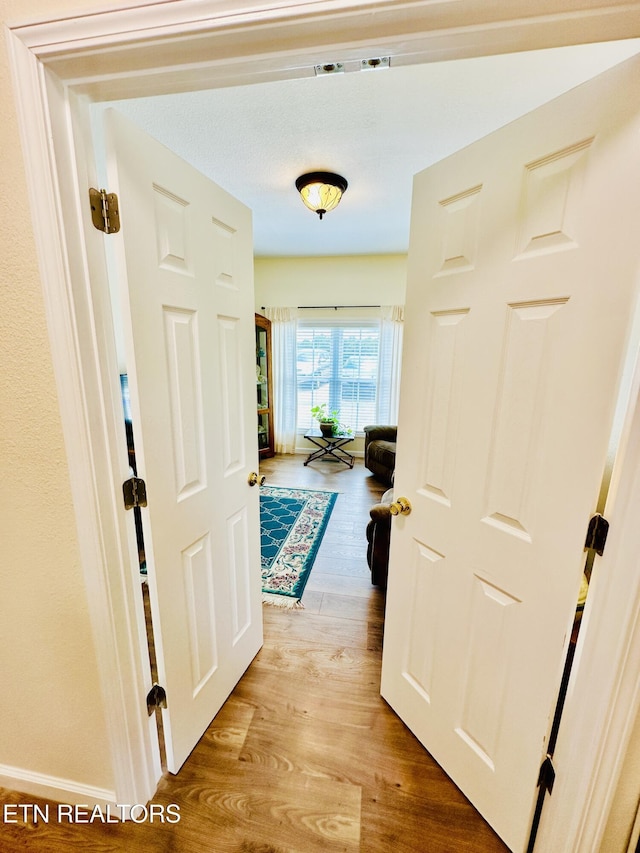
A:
336, 381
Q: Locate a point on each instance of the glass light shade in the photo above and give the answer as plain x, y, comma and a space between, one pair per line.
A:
321, 197
321, 191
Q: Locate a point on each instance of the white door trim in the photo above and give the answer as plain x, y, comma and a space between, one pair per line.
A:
132, 52
82, 353
604, 693
56, 60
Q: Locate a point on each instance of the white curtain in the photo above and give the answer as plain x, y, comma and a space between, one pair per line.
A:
391, 327
284, 322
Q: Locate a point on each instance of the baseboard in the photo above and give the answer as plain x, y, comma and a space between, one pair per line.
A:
53, 788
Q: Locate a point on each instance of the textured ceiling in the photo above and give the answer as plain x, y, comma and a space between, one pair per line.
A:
377, 128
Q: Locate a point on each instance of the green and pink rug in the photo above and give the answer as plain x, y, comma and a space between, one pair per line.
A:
292, 524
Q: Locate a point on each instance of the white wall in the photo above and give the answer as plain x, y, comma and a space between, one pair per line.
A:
52, 723
347, 280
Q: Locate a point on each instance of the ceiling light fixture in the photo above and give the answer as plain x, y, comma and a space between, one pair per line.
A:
321, 191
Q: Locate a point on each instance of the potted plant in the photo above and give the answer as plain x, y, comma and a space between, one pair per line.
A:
329, 422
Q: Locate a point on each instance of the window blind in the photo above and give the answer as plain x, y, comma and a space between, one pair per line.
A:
338, 364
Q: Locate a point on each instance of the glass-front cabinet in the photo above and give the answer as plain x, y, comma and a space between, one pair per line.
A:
264, 386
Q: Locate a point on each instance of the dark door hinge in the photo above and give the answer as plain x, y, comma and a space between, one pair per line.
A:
156, 698
597, 534
546, 778
134, 491
105, 213
547, 775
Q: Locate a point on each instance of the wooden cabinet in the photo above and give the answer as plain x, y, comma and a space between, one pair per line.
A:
264, 386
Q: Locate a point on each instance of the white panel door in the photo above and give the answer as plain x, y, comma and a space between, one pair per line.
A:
523, 273
185, 263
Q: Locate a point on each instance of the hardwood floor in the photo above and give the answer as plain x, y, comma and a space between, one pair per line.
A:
304, 756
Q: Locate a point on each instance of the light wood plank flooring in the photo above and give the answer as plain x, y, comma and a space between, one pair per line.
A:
305, 756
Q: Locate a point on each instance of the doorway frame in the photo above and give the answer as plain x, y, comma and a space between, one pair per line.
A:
58, 67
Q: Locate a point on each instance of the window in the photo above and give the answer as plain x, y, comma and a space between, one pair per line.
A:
338, 364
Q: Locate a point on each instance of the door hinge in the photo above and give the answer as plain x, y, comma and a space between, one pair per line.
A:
597, 534
156, 698
105, 213
134, 491
547, 775
546, 778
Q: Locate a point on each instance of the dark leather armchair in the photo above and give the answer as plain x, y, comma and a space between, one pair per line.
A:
380, 451
378, 537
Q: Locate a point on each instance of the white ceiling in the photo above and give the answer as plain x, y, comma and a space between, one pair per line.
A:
377, 128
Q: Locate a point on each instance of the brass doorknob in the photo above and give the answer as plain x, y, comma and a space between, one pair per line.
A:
400, 507
255, 479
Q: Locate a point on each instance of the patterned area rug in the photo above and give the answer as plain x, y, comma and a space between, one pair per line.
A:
292, 524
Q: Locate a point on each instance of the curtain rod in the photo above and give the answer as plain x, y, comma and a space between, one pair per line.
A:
335, 307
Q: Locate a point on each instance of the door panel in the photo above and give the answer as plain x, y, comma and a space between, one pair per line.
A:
185, 401
185, 265
522, 282
233, 421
